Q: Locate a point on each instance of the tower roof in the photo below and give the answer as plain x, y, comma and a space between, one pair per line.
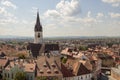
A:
38, 26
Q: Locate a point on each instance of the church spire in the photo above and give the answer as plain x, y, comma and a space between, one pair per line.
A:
38, 26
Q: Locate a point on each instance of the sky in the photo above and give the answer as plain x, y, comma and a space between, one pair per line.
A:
60, 17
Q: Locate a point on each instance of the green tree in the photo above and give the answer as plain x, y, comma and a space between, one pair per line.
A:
64, 60
0, 76
41, 78
19, 76
83, 48
21, 56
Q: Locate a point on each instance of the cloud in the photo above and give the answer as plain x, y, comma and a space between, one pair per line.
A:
111, 1
8, 4
52, 13
99, 15
2, 10
5, 13
67, 13
68, 8
64, 10
114, 15
114, 3
89, 14
6, 17
8, 20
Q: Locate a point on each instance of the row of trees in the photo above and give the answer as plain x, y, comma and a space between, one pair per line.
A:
18, 76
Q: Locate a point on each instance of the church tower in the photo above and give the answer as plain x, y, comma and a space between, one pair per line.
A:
38, 31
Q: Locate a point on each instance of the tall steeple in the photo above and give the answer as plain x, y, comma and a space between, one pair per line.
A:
38, 26
38, 31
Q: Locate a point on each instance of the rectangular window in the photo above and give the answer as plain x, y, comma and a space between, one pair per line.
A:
8, 75
5, 75
12, 75
31, 78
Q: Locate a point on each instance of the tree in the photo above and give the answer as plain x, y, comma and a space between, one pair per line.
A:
83, 48
64, 60
0, 76
19, 76
21, 56
41, 78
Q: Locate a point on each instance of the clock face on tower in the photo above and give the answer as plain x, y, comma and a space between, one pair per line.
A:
38, 35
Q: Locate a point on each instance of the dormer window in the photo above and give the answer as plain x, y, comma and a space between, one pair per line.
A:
45, 65
53, 65
31, 68
48, 71
56, 71
41, 71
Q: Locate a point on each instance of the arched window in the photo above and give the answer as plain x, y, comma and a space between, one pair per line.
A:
38, 35
81, 77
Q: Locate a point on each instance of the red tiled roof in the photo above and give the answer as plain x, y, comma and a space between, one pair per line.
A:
66, 72
3, 62
82, 70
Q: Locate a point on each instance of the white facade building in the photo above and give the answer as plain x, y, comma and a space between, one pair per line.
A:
19, 66
81, 77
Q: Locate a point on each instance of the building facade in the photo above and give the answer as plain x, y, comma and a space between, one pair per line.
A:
19, 66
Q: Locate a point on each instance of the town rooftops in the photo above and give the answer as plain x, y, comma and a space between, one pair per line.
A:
48, 66
34, 48
80, 69
66, 72
21, 64
3, 62
46, 48
51, 47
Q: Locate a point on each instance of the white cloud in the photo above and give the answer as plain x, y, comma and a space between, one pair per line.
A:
111, 1
114, 3
89, 20
68, 8
2, 10
5, 14
8, 4
24, 22
89, 14
67, 14
114, 15
99, 15
64, 10
52, 13
8, 20
6, 17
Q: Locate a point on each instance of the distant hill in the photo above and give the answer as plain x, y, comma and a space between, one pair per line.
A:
12, 36
61, 37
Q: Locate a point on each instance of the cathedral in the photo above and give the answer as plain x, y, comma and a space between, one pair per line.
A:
39, 47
